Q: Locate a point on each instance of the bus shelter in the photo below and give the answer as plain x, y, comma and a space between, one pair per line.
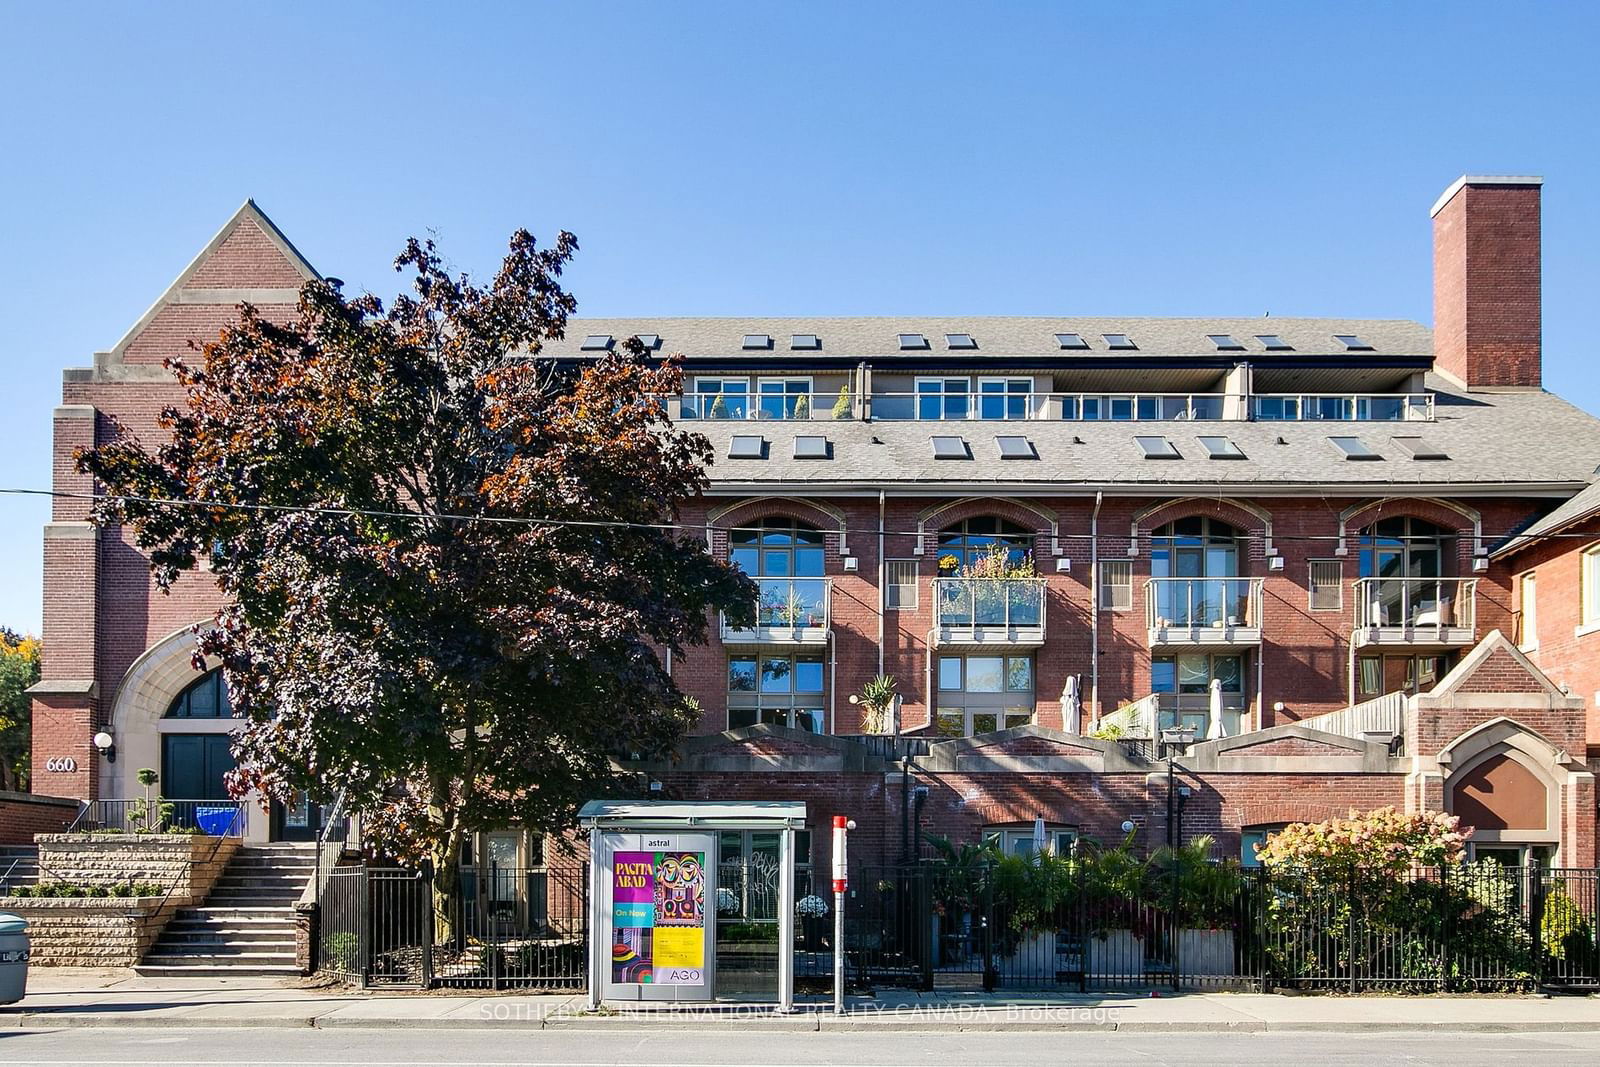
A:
681, 910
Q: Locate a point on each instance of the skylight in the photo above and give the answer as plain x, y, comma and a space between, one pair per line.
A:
650, 341
960, 340
1118, 340
1274, 343
805, 340
1016, 448
757, 340
1352, 343
1157, 448
1071, 340
950, 448
597, 342
1354, 448
909, 341
1224, 342
1420, 449
809, 447
1221, 448
747, 446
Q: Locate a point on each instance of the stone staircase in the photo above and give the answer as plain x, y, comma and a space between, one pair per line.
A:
245, 927
19, 865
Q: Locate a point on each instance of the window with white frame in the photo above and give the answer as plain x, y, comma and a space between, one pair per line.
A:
1327, 585
982, 694
784, 398
1527, 611
944, 398
718, 398
900, 584
1004, 398
1589, 586
1116, 585
1020, 840
781, 690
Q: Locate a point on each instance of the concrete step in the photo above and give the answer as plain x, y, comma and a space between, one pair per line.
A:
230, 949
208, 969
227, 935
277, 914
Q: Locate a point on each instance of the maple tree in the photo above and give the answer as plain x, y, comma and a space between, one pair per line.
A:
450, 562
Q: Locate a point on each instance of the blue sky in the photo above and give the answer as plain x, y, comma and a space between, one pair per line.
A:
1155, 159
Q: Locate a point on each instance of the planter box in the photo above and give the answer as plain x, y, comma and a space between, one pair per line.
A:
1115, 954
1206, 952
1033, 958
190, 863
90, 931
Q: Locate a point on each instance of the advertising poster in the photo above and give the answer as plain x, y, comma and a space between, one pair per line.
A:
658, 917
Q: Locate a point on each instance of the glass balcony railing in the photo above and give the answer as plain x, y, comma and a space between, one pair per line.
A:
1439, 604
999, 604
1196, 603
787, 610
801, 407
1342, 407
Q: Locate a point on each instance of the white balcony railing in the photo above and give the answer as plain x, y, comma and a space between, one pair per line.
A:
786, 407
1416, 611
1006, 612
1203, 611
967, 405
789, 611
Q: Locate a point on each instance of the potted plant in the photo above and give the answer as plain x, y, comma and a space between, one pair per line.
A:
876, 701
813, 913
841, 406
1205, 897
802, 407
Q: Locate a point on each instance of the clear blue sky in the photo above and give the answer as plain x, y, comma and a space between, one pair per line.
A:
1154, 159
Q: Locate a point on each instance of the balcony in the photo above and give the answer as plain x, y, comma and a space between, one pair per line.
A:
988, 612
790, 612
763, 407
956, 406
1144, 719
1216, 612
1416, 611
1342, 407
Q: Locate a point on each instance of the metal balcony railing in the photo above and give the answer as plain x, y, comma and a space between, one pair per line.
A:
1342, 407
1145, 718
223, 818
1000, 611
1416, 610
1203, 610
788, 611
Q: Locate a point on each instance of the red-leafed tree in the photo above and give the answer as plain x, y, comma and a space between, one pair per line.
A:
449, 563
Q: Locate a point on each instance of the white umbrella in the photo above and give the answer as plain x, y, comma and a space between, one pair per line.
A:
1038, 835
1214, 730
1069, 704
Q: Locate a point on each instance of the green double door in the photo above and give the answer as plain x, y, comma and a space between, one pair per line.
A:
193, 766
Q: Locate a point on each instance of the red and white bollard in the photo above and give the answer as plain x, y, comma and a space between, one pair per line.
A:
841, 877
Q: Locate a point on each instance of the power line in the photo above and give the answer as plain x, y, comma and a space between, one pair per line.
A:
528, 520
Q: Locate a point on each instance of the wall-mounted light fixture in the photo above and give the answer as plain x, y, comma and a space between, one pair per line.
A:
107, 746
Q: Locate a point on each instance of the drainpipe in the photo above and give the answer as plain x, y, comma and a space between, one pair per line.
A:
883, 576
833, 680
928, 675
1094, 606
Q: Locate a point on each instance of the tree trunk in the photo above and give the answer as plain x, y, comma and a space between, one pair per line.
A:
445, 888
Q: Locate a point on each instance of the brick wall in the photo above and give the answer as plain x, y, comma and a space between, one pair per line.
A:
24, 814
1565, 650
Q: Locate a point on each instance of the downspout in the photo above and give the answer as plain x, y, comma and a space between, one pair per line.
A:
833, 680
1094, 606
883, 589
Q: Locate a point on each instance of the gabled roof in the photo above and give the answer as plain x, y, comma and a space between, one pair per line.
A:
1585, 505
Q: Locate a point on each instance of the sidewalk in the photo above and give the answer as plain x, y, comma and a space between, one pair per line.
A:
60, 998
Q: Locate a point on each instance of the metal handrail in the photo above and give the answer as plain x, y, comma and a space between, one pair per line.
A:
981, 602
335, 820
899, 406
1416, 603
1189, 603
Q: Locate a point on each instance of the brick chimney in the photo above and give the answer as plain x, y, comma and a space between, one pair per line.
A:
1486, 320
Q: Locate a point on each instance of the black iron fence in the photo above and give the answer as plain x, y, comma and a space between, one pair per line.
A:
502, 927
222, 818
1469, 928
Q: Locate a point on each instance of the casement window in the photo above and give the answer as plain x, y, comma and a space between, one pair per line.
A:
781, 690
982, 694
1527, 612
1116, 585
944, 398
1379, 675
1020, 841
1005, 398
784, 398
1327, 585
718, 398
1589, 587
900, 584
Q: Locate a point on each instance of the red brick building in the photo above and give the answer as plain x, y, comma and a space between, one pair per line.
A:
1282, 533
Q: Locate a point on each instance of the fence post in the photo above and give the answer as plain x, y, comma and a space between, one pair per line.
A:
426, 883
987, 920
1447, 947
1350, 927
1260, 905
1536, 922
1080, 927
1174, 922
924, 919
363, 925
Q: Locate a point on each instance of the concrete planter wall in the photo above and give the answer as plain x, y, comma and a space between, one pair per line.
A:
1034, 957
1115, 954
190, 863
1206, 952
90, 931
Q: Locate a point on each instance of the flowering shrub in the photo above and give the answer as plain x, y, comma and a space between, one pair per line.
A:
1383, 839
811, 907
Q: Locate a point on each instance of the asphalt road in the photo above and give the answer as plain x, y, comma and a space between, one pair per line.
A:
124, 1047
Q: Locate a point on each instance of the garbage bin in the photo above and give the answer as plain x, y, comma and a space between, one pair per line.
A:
13, 957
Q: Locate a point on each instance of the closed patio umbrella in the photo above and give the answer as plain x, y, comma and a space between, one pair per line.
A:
1038, 835
1214, 728
1069, 704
